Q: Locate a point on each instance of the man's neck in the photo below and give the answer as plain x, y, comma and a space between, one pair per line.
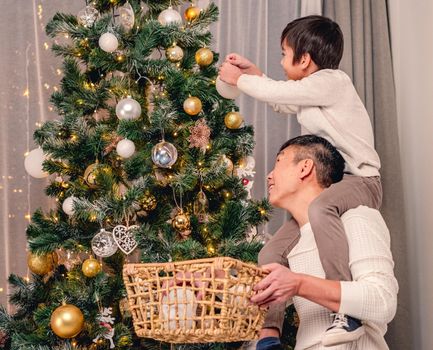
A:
298, 207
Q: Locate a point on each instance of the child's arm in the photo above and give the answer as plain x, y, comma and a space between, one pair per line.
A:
318, 89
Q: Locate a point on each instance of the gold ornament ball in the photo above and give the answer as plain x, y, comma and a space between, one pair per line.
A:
67, 321
181, 222
41, 264
91, 267
191, 13
174, 53
226, 194
90, 175
233, 120
148, 202
204, 56
226, 161
192, 105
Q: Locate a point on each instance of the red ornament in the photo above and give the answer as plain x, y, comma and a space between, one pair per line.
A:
245, 181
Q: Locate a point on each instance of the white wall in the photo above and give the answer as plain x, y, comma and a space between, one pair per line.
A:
412, 47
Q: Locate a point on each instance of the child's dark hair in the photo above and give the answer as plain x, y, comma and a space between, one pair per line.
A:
317, 35
328, 161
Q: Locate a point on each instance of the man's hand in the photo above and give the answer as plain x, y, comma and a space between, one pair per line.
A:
229, 73
279, 286
246, 66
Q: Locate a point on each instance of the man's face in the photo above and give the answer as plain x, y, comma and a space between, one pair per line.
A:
293, 71
284, 179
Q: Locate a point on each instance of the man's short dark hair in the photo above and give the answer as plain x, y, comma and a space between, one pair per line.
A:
328, 161
317, 35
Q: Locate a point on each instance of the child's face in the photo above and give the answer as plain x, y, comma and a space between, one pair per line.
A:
293, 71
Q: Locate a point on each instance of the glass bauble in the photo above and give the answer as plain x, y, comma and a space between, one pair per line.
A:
103, 244
164, 154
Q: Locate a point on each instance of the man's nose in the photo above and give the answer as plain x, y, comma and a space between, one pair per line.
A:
270, 175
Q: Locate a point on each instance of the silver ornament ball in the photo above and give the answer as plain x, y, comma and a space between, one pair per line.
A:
128, 109
169, 16
103, 244
164, 154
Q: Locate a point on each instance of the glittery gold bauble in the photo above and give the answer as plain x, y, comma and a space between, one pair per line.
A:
192, 105
91, 267
204, 56
90, 175
233, 120
41, 264
191, 13
181, 221
67, 321
148, 202
174, 53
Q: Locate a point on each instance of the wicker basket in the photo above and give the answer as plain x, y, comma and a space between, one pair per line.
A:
195, 301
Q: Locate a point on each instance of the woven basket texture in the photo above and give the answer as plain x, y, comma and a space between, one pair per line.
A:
195, 301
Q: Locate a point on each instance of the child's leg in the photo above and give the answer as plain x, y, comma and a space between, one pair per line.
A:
324, 214
275, 251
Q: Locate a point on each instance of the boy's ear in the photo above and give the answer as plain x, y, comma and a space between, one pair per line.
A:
305, 60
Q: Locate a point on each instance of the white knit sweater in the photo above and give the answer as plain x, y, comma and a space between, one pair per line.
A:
327, 105
370, 297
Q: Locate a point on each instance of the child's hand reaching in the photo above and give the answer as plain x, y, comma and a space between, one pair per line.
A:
246, 66
229, 73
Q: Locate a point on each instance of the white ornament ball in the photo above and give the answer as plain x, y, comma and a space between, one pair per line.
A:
68, 205
128, 109
169, 16
108, 42
226, 90
125, 148
33, 163
184, 311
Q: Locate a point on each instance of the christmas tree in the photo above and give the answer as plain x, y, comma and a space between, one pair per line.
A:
149, 163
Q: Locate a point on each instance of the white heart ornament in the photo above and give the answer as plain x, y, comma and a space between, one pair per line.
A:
124, 238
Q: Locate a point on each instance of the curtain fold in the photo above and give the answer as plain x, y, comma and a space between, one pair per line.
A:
367, 60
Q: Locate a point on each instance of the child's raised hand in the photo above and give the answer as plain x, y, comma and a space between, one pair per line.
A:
245, 65
229, 73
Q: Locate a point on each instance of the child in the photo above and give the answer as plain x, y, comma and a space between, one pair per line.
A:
327, 105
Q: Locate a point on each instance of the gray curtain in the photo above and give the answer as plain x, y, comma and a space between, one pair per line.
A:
367, 59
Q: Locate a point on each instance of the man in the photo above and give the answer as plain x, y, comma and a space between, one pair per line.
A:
305, 166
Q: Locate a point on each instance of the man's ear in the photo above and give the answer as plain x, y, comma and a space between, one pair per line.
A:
307, 166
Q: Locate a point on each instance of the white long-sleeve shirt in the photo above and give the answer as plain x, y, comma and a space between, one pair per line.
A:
327, 105
371, 296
